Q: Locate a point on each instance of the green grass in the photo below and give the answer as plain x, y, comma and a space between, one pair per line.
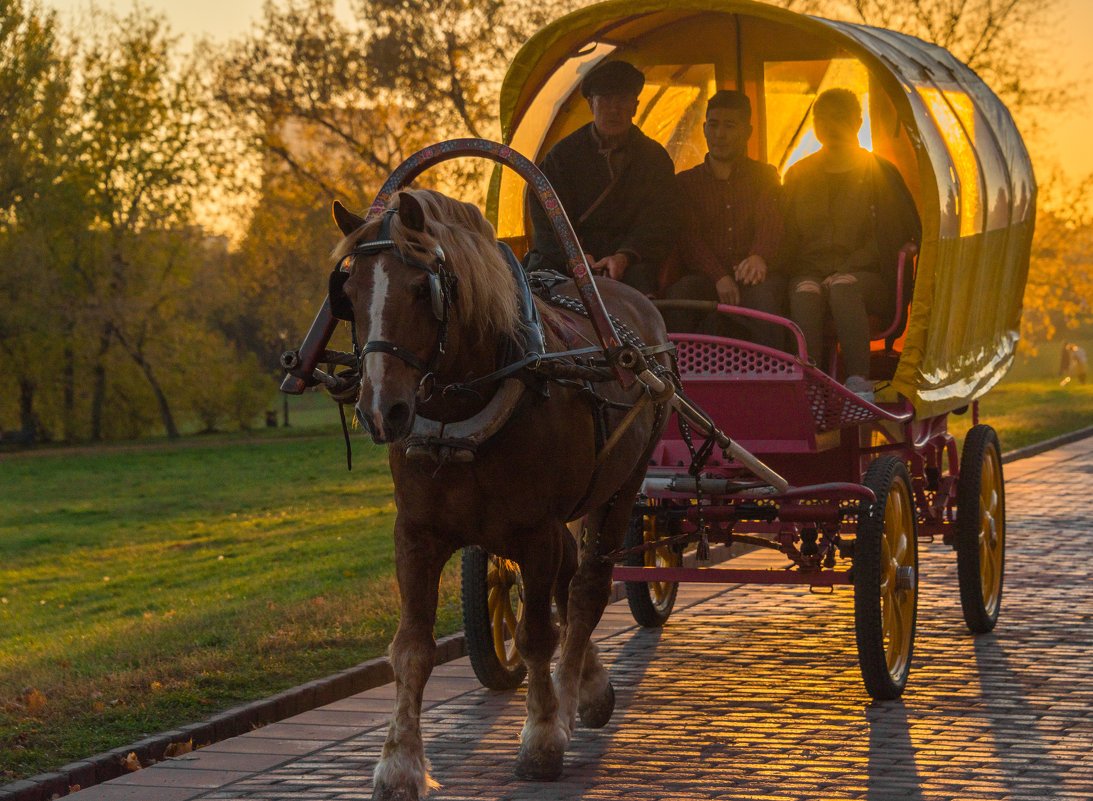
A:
1029, 405
147, 587
152, 584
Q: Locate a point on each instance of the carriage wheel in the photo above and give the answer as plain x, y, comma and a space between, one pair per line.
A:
493, 603
980, 529
650, 602
886, 580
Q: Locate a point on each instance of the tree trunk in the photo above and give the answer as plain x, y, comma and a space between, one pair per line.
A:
137, 355
68, 389
27, 418
98, 385
161, 399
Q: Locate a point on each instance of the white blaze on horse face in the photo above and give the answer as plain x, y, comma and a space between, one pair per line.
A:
375, 363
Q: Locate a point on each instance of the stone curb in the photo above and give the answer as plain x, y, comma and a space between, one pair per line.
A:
1040, 447
296, 700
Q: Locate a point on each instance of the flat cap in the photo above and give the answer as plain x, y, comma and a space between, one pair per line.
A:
613, 78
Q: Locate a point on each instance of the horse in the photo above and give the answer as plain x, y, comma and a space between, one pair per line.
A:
432, 299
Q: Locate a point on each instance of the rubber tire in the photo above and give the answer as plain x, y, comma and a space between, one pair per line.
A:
639, 595
869, 632
979, 615
478, 625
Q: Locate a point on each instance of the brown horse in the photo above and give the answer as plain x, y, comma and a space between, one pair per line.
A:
422, 332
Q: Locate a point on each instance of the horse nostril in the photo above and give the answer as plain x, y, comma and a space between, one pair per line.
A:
398, 419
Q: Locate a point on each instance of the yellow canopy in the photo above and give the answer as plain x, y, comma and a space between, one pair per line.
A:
954, 142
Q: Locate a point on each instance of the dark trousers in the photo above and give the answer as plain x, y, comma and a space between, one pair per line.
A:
767, 296
851, 298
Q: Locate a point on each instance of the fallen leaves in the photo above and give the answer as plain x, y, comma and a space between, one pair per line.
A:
34, 702
178, 749
131, 763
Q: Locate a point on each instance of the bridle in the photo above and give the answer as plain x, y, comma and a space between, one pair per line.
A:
443, 285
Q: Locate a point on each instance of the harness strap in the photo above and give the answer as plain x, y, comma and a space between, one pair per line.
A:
382, 346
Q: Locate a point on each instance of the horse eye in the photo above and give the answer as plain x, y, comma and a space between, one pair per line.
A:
421, 290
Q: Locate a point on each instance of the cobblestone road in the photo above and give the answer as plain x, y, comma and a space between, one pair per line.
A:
754, 693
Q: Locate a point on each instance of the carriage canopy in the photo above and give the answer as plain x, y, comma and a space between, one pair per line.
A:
953, 141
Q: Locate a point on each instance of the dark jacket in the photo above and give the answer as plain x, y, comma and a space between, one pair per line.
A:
627, 205
888, 219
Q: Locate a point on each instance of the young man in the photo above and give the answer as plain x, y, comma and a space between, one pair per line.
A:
732, 227
616, 185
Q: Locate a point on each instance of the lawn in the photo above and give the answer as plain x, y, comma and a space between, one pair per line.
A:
147, 587
151, 585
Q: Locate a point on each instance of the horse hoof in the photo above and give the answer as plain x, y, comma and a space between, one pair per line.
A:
540, 765
597, 714
385, 792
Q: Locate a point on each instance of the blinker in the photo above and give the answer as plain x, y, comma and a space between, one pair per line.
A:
340, 306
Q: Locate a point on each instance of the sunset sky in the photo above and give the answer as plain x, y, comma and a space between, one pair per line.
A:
1070, 143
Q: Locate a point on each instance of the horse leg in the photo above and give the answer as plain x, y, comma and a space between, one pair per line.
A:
402, 774
584, 685
565, 574
544, 737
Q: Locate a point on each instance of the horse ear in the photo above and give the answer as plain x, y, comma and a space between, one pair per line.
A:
410, 212
347, 221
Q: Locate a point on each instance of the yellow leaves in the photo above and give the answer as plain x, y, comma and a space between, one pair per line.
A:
131, 763
178, 749
35, 702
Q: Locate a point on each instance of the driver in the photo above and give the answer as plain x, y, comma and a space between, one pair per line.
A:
616, 185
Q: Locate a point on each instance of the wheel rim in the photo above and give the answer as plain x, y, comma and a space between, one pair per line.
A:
505, 601
898, 579
660, 592
991, 531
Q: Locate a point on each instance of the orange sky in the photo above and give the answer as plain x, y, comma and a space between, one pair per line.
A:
1069, 142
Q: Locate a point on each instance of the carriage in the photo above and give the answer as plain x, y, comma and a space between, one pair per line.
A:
730, 443
953, 336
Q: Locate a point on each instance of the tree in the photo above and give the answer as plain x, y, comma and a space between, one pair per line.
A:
33, 88
1002, 40
145, 153
333, 105
1059, 294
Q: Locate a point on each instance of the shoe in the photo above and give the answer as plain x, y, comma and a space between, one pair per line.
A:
862, 387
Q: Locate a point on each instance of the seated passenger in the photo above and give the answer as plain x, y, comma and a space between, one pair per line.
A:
616, 185
847, 214
732, 229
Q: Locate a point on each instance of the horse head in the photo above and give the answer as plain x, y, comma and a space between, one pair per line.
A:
416, 308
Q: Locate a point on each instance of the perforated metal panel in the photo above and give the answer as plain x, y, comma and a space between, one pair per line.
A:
833, 407
721, 359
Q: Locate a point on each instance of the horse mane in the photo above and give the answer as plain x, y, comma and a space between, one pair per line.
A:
487, 303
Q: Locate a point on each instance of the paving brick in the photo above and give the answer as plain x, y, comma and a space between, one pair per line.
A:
754, 693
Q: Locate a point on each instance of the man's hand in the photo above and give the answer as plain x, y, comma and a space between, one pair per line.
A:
751, 270
727, 291
613, 266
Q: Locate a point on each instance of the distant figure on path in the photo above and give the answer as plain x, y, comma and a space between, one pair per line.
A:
1072, 361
